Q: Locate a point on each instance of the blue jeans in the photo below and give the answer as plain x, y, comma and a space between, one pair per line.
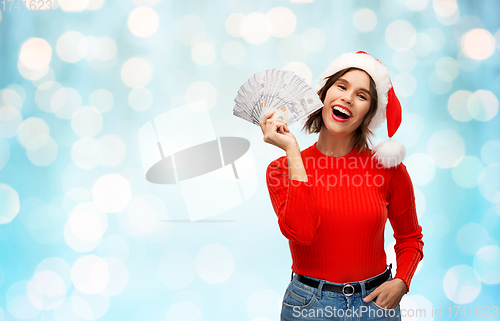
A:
303, 302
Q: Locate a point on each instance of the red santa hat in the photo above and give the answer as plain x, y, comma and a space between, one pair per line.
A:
389, 153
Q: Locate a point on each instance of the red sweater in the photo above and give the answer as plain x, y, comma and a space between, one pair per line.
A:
335, 221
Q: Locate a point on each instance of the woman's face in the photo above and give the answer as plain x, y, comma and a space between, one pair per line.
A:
350, 92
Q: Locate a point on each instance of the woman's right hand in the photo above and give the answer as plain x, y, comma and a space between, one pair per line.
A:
283, 139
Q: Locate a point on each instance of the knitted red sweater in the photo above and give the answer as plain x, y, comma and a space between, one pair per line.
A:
335, 221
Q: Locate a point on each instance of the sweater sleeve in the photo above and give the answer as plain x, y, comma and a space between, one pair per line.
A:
402, 215
293, 203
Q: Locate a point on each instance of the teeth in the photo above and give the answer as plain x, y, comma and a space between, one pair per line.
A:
342, 110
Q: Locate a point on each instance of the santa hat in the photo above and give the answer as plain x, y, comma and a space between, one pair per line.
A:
389, 153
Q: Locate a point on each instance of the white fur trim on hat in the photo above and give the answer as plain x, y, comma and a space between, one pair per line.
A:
389, 153
375, 69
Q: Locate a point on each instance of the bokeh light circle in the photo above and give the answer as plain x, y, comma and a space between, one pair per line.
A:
404, 61
400, 35
256, 28
446, 147
86, 121
214, 263
33, 133
203, 53
102, 99
140, 99
490, 152
457, 105
201, 90
87, 153
471, 237
72, 46
478, 44
90, 274
301, 70
365, 20
283, 22
482, 105
35, 54
233, 52
461, 284
486, 263
233, 24
313, 39
421, 168
9, 203
143, 22
466, 173
112, 193
489, 182
404, 84
113, 150
136, 72
10, 120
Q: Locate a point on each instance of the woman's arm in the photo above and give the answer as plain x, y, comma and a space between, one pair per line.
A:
292, 198
402, 214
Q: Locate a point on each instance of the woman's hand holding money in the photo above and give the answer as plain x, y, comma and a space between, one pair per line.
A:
276, 132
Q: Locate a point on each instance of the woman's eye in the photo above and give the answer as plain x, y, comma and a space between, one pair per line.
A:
342, 87
362, 96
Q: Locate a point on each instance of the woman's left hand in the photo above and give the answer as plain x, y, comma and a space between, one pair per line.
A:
388, 294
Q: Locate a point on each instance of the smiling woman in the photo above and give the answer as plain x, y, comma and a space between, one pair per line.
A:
333, 218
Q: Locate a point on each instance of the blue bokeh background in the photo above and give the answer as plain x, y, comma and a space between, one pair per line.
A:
78, 81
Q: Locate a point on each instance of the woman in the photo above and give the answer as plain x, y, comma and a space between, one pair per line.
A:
333, 199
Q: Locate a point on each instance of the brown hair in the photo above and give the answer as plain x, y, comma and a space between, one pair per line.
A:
361, 137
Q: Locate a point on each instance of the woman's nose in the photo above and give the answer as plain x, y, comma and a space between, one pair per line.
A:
346, 99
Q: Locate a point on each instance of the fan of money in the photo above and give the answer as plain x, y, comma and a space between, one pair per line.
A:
276, 89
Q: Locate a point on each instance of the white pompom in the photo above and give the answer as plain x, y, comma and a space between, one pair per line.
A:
390, 153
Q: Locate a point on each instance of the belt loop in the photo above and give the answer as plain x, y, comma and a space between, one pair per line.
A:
292, 277
320, 288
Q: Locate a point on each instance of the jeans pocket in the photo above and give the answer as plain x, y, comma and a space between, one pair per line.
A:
298, 298
380, 308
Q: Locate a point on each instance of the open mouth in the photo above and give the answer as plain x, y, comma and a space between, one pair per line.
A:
340, 113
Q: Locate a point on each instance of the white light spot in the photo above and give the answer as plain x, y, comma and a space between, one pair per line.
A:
461, 284
404, 61
176, 270
283, 21
313, 39
140, 99
143, 22
486, 263
421, 168
256, 28
482, 105
10, 97
113, 149
115, 246
112, 193
72, 46
478, 44
400, 35
233, 52
102, 99
445, 8
4, 152
416, 5
136, 72
35, 54
471, 237
9, 203
466, 173
10, 119
89, 306
201, 90
301, 70
187, 28
87, 222
291, 49
49, 287
214, 263
446, 147
424, 45
365, 20
34, 133
18, 303
86, 153
404, 84
203, 53
447, 69
489, 182
64, 102
108, 48
457, 105
490, 152
233, 24
86, 121
437, 85
90, 274
58, 266
438, 38
73, 5
118, 276
145, 213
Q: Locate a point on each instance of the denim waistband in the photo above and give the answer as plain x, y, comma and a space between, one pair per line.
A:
362, 283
